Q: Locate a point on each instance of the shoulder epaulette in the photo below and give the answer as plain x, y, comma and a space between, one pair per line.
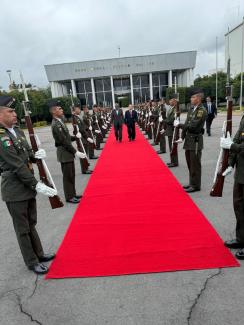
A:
2, 131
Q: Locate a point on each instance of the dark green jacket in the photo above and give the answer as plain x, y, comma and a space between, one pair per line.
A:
82, 129
17, 182
193, 128
169, 121
65, 150
236, 157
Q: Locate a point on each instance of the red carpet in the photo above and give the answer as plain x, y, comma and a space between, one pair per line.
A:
135, 217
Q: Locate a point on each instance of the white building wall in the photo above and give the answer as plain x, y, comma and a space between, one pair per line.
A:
235, 43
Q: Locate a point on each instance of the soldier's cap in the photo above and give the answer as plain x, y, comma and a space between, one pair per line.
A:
53, 102
173, 96
76, 104
195, 91
7, 101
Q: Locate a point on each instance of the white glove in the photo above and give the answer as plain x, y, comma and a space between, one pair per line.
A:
228, 171
150, 114
160, 119
97, 131
90, 128
78, 135
40, 154
226, 143
162, 131
80, 155
146, 115
179, 140
151, 123
46, 190
176, 123
90, 140
104, 127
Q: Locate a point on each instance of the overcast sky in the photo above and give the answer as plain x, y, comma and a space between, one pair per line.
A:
34, 33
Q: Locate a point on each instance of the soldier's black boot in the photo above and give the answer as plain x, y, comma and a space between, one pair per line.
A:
240, 254
233, 243
38, 268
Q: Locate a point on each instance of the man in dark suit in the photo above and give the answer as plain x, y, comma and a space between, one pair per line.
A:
117, 118
212, 113
130, 121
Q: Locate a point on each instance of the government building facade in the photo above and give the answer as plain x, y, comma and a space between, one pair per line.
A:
135, 79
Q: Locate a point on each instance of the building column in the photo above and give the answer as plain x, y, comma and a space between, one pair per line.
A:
56, 89
131, 89
170, 82
73, 88
112, 88
151, 85
93, 92
64, 90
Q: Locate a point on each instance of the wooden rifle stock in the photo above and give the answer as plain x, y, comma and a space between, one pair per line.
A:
55, 201
217, 189
84, 161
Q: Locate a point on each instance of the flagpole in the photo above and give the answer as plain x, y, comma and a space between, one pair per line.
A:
242, 44
216, 95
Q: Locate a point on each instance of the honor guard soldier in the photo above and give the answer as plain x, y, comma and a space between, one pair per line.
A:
170, 118
84, 136
66, 153
88, 124
236, 159
19, 186
192, 133
162, 127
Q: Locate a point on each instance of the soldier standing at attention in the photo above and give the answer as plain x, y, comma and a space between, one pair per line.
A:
236, 159
88, 124
84, 136
65, 151
170, 118
162, 127
19, 186
192, 133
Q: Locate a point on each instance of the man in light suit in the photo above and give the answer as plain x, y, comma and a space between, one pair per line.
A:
212, 113
117, 118
130, 121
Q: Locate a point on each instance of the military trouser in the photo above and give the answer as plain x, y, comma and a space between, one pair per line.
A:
149, 133
91, 150
193, 161
83, 164
173, 158
68, 170
24, 218
238, 202
162, 143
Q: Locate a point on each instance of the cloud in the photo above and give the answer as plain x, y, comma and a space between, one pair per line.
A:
34, 33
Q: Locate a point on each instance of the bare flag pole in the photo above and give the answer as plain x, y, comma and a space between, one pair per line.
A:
242, 50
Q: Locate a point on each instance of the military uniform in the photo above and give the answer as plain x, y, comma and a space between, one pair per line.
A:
170, 117
192, 133
82, 129
236, 159
18, 191
87, 123
162, 141
65, 155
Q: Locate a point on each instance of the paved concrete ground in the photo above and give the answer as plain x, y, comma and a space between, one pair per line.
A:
190, 297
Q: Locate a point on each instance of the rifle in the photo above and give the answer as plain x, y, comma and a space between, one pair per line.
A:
79, 143
222, 163
157, 137
176, 134
44, 172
